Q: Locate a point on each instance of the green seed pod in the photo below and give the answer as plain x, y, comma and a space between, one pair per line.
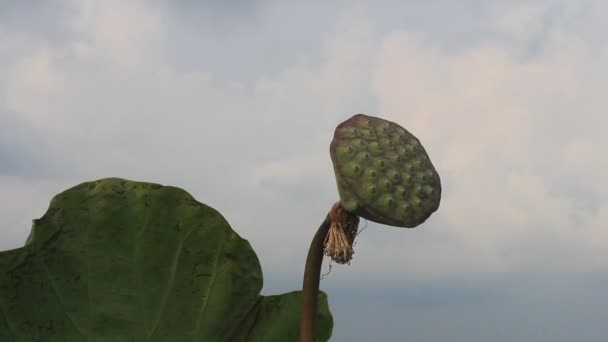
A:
383, 172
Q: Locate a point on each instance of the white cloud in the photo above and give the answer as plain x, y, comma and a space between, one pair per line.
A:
120, 113
129, 33
22, 201
502, 131
33, 83
519, 21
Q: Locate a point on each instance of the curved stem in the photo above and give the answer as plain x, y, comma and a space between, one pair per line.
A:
310, 288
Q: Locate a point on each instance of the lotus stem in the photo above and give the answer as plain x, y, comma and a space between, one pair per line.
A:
334, 238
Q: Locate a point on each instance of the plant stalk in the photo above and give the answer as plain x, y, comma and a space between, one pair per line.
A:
310, 288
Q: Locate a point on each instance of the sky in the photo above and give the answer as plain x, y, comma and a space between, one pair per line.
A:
236, 102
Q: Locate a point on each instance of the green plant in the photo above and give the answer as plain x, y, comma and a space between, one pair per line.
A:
117, 260
384, 175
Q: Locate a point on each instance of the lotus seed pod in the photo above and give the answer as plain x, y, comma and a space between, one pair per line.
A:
383, 172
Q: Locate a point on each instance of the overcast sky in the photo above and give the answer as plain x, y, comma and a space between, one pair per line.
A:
236, 102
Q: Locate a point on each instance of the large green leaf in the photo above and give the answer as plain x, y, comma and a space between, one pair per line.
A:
117, 260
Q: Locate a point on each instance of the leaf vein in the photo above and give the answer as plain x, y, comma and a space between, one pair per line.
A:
8, 324
55, 291
211, 283
173, 271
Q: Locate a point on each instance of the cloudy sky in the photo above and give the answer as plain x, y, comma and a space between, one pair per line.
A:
236, 102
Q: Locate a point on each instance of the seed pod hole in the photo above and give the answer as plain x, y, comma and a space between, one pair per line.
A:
427, 189
366, 134
371, 173
380, 163
352, 170
415, 201
348, 132
386, 184
359, 143
393, 175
